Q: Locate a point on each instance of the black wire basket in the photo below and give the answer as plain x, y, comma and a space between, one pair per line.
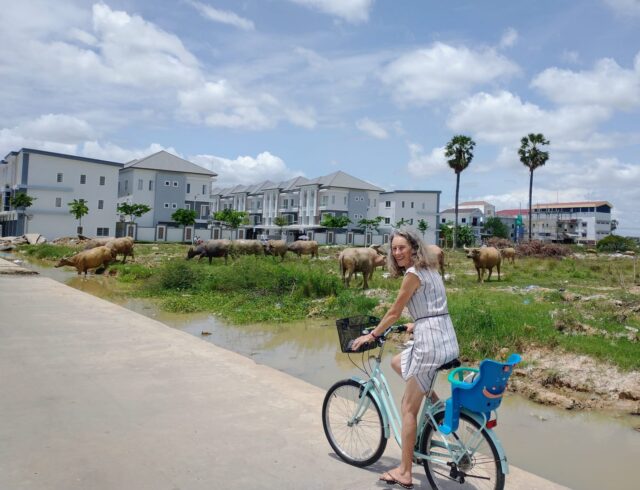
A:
351, 328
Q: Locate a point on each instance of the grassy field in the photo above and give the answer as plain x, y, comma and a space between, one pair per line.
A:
588, 305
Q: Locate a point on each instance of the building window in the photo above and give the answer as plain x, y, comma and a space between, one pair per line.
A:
140, 184
403, 204
59, 177
387, 221
151, 185
58, 202
204, 211
83, 179
174, 206
167, 183
422, 205
345, 200
387, 204
102, 232
102, 180
188, 188
412, 205
166, 205
100, 204
187, 205
126, 185
204, 188
464, 220
175, 183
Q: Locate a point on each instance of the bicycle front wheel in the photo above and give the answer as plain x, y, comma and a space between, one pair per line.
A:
479, 469
354, 430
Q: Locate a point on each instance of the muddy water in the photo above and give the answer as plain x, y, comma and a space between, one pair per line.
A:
579, 450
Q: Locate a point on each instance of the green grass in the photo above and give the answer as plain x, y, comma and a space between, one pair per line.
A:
47, 251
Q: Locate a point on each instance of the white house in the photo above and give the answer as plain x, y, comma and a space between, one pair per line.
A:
54, 180
409, 208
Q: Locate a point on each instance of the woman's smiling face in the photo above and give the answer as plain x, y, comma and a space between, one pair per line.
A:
401, 251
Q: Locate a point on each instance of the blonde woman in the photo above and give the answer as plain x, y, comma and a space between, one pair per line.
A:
435, 342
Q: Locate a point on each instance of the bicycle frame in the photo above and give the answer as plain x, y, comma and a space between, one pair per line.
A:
378, 387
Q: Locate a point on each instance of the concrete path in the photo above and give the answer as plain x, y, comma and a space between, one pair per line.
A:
95, 396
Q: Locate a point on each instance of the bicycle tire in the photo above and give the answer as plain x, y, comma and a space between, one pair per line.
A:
482, 469
360, 443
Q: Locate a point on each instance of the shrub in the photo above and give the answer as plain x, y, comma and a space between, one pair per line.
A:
616, 243
179, 275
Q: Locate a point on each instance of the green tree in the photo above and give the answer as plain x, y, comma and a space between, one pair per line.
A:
465, 236
231, 219
616, 243
401, 223
335, 222
494, 227
184, 217
446, 231
79, 208
22, 201
370, 224
280, 222
459, 153
532, 157
423, 226
133, 210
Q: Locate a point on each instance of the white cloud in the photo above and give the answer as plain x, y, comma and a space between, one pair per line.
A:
503, 118
115, 153
12, 140
58, 128
353, 11
372, 128
443, 71
570, 56
223, 16
625, 7
607, 85
509, 38
246, 169
423, 164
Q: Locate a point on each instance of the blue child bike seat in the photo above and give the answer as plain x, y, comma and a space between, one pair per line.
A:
482, 394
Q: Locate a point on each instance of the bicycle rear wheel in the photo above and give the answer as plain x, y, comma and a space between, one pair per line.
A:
358, 438
480, 470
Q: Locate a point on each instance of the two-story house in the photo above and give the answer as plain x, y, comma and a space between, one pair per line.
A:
54, 180
408, 209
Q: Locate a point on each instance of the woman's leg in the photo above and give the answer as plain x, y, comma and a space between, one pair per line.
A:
411, 402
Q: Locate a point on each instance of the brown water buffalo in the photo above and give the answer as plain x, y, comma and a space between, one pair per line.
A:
89, 259
211, 249
508, 254
122, 246
276, 248
485, 258
247, 247
304, 247
363, 260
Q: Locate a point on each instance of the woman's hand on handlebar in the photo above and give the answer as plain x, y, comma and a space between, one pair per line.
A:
363, 339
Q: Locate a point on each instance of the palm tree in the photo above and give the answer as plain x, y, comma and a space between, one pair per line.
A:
459, 152
532, 157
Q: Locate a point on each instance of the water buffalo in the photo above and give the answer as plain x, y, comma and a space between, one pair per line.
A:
485, 258
276, 248
363, 260
211, 249
508, 254
247, 247
122, 246
89, 259
304, 247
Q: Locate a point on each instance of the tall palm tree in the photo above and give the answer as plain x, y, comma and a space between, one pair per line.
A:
459, 153
532, 157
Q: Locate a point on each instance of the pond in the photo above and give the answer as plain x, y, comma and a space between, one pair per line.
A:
585, 450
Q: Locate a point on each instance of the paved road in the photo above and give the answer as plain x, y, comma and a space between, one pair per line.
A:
95, 396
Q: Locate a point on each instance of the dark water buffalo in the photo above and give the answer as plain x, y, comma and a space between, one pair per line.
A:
485, 258
363, 260
211, 249
304, 247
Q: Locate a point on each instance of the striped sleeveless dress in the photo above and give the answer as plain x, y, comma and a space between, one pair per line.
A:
435, 342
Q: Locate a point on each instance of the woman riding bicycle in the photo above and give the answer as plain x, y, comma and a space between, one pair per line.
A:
435, 342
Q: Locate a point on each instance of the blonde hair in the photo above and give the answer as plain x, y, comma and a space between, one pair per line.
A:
420, 257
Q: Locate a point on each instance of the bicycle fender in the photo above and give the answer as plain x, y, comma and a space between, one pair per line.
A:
376, 398
496, 442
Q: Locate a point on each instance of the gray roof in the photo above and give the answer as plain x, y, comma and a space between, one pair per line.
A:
342, 179
165, 161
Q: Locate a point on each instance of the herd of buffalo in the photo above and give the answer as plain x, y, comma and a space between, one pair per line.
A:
99, 253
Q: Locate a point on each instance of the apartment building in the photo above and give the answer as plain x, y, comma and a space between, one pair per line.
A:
54, 180
571, 222
165, 183
488, 209
408, 208
472, 217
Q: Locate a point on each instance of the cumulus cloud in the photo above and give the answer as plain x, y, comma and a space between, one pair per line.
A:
246, 169
443, 71
607, 85
354, 11
423, 164
504, 118
115, 153
625, 7
509, 38
223, 16
372, 128
59, 128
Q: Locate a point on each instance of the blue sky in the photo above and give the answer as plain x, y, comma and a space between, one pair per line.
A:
271, 89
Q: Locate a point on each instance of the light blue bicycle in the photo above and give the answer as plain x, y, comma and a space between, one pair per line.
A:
455, 441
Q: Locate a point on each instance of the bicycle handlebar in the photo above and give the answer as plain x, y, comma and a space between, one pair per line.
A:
383, 337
